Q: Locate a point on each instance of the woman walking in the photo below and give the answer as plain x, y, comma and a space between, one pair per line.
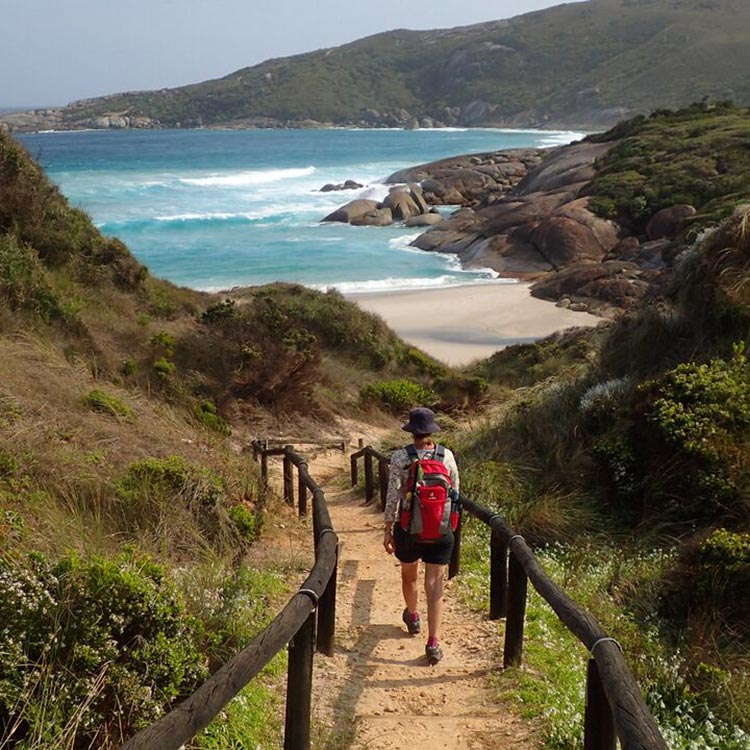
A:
410, 546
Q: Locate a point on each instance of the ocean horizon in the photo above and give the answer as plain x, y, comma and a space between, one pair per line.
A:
216, 209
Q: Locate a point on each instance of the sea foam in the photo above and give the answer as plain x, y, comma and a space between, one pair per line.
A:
252, 177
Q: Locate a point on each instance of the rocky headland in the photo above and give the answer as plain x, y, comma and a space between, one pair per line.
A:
525, 214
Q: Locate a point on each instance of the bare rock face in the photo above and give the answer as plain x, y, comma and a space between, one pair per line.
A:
668, 222
424, 220
352, 210
348, 185
593, 284
377, 217
567, 169
401, 203
471, 179
562, 240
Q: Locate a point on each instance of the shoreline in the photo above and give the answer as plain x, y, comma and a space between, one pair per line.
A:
458, 325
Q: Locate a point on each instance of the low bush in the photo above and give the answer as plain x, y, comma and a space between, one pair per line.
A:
23, 283
106, 403
245, 521
93, 650
206, 413
398, 396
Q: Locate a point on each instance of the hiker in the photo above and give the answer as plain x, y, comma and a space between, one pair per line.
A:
404, 532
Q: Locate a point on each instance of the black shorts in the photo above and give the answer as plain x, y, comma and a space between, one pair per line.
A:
409, 549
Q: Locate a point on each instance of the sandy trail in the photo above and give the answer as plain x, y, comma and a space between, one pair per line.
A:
377, 692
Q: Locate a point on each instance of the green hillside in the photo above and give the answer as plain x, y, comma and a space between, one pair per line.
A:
585, 63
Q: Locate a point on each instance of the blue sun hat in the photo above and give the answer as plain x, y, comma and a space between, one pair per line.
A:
421, 422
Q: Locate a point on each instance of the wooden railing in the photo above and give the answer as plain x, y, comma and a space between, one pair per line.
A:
370, 456
615, 707
306, 623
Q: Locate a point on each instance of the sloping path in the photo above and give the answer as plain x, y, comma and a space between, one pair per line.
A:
377, 692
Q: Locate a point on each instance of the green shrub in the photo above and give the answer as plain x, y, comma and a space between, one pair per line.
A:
205, 412
244, 519
23, 282
128, 367
218, 313
93, 650
163, 343
724, 574
174, 476
163, 368
106, 403
701, 407
398, 395
422, 363
460, 391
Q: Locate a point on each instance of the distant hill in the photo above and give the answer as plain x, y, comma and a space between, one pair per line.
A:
578, 64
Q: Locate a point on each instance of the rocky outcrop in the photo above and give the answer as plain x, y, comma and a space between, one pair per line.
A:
668, 222
404, 203
430, 219
376, 217
401, 203
348, 185
352, 210
472, 179
541, 230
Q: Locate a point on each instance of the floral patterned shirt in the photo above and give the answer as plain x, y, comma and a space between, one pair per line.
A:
399, 473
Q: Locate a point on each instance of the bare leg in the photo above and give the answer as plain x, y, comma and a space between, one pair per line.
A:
433, 586
409, 574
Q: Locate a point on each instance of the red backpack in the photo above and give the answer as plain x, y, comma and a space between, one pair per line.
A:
427, 510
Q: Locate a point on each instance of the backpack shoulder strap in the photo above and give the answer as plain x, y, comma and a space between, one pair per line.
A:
411, 451
440, 453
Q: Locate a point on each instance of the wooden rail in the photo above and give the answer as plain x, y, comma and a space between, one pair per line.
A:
615, 707
306, 624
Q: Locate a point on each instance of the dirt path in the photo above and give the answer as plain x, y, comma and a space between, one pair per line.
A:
377, 692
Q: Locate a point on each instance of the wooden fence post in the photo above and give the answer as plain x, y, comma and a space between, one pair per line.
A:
302, 493
454, 566
288, 476
599, 727
327, 614
369, 479
264, 469
360, 443
517, 585
383, 471
354, 466
299, 687
498, 578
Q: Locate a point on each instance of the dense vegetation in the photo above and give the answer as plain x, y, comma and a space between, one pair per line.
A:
578, 63
623, 453
697, 156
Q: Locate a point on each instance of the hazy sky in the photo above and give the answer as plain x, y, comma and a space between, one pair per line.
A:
55, 51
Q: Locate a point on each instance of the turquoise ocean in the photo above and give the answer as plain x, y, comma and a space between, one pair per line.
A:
213, 209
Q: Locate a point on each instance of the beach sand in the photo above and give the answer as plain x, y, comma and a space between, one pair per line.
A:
460, 324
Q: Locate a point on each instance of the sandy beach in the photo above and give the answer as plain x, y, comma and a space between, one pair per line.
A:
460, 324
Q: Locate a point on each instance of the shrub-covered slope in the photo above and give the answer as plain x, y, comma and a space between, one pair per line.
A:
631, 444
584, 63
